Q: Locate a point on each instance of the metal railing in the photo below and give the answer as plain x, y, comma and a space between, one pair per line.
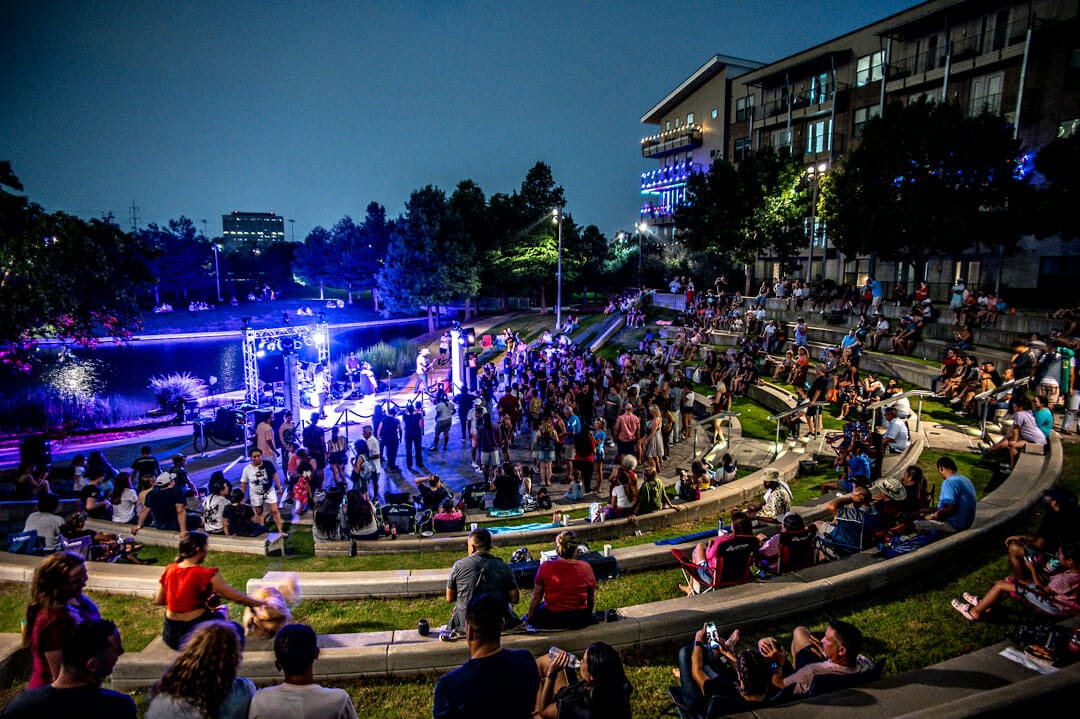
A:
800, 407
699, 424
920, 393
983, 398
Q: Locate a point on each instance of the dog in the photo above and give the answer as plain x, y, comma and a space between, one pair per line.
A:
265, 621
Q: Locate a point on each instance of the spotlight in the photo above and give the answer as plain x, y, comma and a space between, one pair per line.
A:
288, 345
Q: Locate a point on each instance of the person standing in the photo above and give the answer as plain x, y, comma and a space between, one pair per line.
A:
626, 432
299, 697
264, 436
495, 683
373, 457
390, 437
322, 388
352, 369
414, 435
145, 464
423, 364
260, 479
314, 438
444, 418
87, 657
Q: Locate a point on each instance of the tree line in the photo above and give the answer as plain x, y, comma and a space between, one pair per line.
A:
925, 180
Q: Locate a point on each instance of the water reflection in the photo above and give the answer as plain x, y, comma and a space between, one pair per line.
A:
75, 379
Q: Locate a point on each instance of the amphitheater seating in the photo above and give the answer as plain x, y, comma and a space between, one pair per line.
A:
264, 544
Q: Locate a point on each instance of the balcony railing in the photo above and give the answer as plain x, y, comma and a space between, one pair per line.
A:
667, 177
963, 48
676, 140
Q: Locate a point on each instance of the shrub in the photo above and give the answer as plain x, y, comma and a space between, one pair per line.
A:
398, 356
168, 389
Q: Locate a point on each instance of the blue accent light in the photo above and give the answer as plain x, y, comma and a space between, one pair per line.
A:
668, 177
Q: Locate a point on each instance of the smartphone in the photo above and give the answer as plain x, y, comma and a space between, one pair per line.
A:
712, 635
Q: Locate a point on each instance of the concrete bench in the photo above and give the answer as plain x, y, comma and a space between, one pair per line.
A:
264, 544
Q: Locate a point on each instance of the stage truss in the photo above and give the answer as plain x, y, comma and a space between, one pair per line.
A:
317, 334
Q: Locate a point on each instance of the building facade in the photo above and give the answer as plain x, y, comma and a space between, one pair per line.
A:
261, 228
1019, 59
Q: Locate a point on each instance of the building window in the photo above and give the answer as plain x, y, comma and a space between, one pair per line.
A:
780, 138
869, 68
818, 137
689, 118
677, 120
742, 148
819, 89
861, 115
931, 52
713, 113
986, 94
667, 125
743, 107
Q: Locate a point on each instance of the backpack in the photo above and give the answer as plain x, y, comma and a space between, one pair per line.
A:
688, 492
543, 501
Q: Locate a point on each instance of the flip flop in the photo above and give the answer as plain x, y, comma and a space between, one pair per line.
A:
963, 608
970, 599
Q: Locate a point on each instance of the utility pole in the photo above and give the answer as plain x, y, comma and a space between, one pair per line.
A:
134, 217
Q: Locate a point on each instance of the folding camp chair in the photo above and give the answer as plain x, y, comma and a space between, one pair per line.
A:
831, 547
85, 548
733, 563
26, 543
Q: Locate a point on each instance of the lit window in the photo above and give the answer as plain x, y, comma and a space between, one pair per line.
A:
713, 113
818, 137
869, 68
667, 125
689, 118
677, 123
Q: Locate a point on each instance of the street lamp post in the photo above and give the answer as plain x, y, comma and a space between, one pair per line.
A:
814, 173
217, 271
642, 228
557, 216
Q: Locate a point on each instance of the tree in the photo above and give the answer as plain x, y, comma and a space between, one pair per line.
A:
925, 180
469, 208
734, 213
1058, 199
375, 241
312, 262
63, 277
427, 262
180, 258
346, 256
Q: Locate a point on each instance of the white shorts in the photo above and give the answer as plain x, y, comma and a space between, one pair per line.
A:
260, 498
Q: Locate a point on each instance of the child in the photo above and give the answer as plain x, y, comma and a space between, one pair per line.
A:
576, 491
238, 517
215, 503
1058, 597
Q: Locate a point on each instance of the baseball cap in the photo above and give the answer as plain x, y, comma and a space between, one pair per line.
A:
164, 479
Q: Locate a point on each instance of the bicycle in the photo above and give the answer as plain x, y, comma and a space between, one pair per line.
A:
224, 430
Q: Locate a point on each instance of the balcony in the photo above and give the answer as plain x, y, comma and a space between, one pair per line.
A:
667, 177
679, 139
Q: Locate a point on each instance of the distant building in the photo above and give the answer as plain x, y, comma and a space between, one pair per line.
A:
262, 228
1020, 59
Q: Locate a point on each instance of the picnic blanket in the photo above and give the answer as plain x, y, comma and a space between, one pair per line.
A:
516, 512
522, 527
707, 534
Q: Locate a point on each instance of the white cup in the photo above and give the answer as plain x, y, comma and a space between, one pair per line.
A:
475, 526
607, 550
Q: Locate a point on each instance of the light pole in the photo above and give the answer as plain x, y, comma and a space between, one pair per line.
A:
814, 173
217, 271
642, 228
556, 216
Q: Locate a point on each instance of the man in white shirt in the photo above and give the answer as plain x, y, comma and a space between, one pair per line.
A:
896, 436
295, 652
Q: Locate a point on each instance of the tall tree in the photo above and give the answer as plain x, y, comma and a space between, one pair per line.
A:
1059, 197
925, 180
469, 208
346, 256
312, 264
181, 259
427, 263
62, 277
734, 213
375, 241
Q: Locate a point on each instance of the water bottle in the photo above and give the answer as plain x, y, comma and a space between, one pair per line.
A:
575, 663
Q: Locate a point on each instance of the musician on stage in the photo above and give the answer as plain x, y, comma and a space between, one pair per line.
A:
423, 365
352, 369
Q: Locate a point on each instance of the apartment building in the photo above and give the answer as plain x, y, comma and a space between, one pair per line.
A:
1019, 59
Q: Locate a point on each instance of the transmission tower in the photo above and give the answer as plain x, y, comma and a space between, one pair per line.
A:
134, 217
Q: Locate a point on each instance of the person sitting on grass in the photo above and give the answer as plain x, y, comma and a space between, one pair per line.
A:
1057, 597
603, 691
329, 524
240, 517
295, 651
651, 495
776, 501
1034, 556
361, 520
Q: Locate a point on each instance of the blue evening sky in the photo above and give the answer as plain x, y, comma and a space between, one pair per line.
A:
314, 109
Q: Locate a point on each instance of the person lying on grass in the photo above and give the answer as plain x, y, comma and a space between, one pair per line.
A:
1057, 597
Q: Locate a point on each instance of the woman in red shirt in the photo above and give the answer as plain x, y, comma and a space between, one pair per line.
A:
57, 604
564, 590
189, 591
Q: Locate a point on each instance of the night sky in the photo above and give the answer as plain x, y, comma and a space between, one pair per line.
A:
313, 109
